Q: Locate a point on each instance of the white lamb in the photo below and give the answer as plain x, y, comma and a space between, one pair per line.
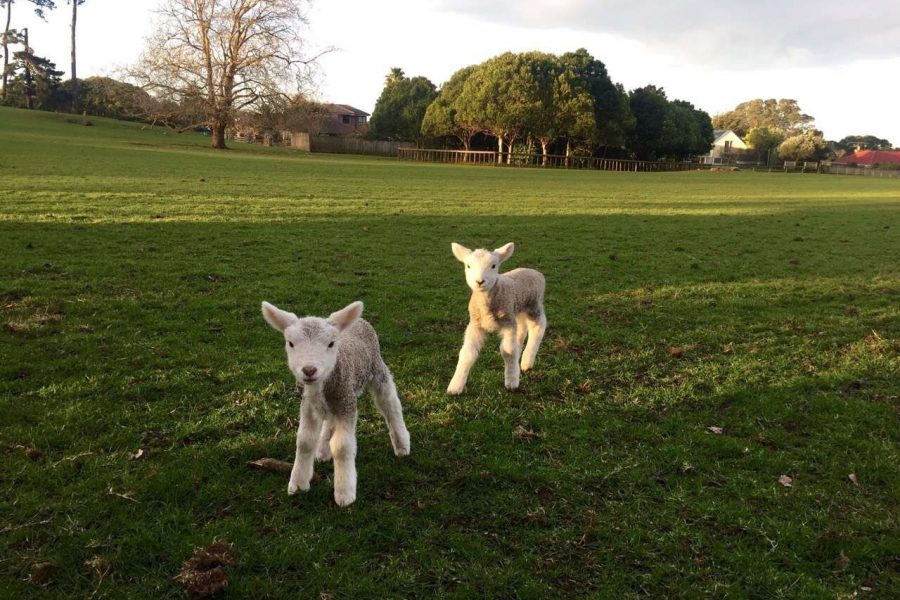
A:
511, 305
333, 359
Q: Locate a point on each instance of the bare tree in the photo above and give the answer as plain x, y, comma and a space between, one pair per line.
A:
225, 56
75, 5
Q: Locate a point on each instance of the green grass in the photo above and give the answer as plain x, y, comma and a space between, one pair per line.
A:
132, 266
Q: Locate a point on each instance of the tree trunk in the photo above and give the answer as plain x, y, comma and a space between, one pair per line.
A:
218, 130
568, 150
544, 145
512, 142
500, 148
6, 48
29, 83
74, 71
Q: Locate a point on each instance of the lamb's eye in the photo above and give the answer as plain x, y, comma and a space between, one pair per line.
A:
291, 344
493, 266
331, 345
467, 266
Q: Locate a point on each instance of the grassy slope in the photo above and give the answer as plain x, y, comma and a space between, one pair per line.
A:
764, 304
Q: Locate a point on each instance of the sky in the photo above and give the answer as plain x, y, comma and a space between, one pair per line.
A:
838, 59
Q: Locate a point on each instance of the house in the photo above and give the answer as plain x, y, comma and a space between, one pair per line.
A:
869, 158
344, 120
727, 145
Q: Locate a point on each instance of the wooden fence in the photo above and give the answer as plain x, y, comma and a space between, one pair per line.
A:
345, 145
553, 161
862, 172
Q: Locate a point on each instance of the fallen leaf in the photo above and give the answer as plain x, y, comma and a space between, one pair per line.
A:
676, 352
365, 228
715, 430
613, 257
866, 588
33, 453
842, 561
786, 481
728, 349
525, 434
136, 455
852, 477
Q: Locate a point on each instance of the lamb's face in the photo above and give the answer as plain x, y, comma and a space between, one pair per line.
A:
312, 348
311, 343
482, 267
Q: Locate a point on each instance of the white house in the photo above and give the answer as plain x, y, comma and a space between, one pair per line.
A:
725, 148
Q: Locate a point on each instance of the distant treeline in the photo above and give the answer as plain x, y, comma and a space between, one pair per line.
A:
533, 101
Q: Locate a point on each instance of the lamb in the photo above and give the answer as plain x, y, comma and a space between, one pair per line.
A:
333, 359
511, 305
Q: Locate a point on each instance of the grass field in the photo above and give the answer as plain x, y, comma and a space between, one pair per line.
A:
132, 266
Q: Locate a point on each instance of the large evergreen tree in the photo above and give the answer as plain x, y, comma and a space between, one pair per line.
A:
613, 119
11, 36
400, 109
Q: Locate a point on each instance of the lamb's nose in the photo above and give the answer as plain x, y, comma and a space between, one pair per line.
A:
480, 282
309, 371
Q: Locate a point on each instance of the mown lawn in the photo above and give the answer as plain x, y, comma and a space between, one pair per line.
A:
132, 266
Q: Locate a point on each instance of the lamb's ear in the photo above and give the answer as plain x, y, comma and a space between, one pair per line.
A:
277, 318
345, 317
505, 252
460, 252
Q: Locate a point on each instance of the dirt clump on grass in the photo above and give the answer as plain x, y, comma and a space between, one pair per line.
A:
204, 574
42, 574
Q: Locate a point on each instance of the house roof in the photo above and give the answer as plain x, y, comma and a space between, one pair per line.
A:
720, 133
870, 157
345, 109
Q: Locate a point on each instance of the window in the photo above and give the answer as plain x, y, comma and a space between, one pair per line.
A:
728, 146
345, 119
360, 120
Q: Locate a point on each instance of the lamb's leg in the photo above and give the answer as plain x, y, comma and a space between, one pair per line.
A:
307, 432
323, 452
384, 392
536, 329
467, 356
343, 448
510, 352
521, 330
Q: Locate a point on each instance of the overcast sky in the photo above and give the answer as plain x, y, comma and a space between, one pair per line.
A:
839, 59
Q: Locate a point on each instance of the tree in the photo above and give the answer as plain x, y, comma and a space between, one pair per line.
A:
864, 142
400, 109
223, 56
503, 98
613, 120
783, 116
75, 4
763, 140
687, 131
11, 36
650, 107
35, 83
805, 146
440, 118
568, 105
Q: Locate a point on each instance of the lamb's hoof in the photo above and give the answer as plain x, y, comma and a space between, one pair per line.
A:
525, 367
512, 387
293, 488
400, 443
323, 455
455, 390
345, 498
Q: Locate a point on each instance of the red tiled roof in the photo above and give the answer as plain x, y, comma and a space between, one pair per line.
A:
870, 157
